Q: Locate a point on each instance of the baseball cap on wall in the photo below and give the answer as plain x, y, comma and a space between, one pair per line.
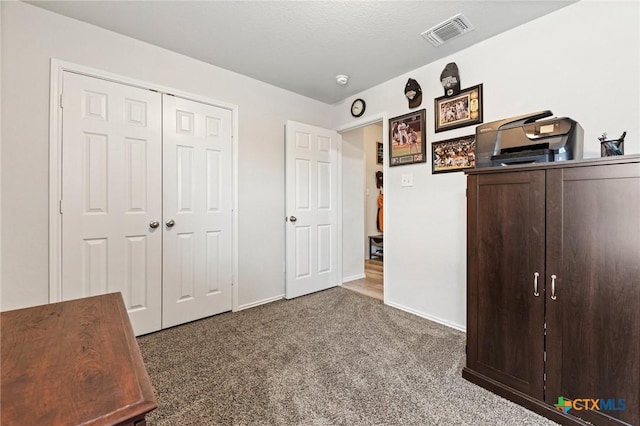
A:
450, 79
413, 92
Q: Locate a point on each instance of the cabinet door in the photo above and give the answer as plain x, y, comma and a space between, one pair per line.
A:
593, 325
506, 242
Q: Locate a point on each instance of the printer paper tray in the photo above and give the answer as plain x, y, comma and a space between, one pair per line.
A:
523, 157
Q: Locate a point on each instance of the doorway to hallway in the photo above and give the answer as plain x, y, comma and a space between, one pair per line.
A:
362, 209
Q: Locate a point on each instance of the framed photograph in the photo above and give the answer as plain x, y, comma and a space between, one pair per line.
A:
380, 152
463, 109
454, 154
408, 139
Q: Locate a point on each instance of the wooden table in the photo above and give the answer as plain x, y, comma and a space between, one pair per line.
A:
71, 363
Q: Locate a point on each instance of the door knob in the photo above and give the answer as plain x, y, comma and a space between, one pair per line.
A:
154, 224
170, 223
293, 218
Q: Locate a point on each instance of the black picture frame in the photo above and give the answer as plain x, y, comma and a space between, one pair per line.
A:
461, 110
453, 155
379, 153
408, 139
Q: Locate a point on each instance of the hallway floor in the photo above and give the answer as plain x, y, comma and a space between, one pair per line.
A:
372, 285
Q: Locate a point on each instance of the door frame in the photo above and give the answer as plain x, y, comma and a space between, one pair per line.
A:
57, 69
357, 124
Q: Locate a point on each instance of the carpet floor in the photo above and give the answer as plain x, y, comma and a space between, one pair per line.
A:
330, 358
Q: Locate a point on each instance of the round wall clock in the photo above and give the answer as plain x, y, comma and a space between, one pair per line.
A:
357, 107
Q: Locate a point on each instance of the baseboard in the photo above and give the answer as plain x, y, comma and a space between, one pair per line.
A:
260, 302
427, 316
353, 278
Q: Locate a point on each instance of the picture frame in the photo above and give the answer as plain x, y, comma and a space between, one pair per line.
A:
461, 110
408, 139
453, 155
379, 152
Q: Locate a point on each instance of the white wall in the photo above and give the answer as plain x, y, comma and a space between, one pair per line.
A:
353, 219
581, 62
30, 37
0, 156
372, 135
359, 197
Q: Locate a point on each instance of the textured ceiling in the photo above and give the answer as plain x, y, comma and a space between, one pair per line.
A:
302, 45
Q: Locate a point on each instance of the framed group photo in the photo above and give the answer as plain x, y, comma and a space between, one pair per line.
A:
463, 109
407, 139
453, 155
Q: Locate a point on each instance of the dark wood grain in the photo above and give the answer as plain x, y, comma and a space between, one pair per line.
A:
74, 362
594, 324
506, 249
522, 399
591, 236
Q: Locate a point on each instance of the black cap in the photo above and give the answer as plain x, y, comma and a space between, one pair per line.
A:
450, 79
413, 92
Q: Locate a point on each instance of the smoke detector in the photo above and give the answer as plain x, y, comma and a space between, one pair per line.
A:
342, 79
447, 30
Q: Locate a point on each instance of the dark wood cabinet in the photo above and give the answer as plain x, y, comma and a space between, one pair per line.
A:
73, 363
553, 305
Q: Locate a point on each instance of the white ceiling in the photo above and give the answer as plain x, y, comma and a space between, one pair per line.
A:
302, 45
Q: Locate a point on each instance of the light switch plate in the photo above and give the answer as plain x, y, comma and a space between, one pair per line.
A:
407, 180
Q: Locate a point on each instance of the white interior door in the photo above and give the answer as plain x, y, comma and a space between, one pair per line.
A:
198, 212
111, 195
311, 208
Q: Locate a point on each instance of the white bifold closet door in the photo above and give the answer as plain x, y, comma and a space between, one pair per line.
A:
168, 250
111, 195
197, 210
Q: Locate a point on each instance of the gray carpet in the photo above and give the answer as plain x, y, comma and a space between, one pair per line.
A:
331, 358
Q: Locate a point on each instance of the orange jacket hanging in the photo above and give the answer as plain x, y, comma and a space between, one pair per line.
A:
380, 214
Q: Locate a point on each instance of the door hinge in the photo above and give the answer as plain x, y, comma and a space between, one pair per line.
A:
61, 102
60, 206
545, 356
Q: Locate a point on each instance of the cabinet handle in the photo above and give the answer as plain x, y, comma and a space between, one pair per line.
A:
535, 284
553, 287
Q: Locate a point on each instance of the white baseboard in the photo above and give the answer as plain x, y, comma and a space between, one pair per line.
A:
260, 302
353, 278
429, 317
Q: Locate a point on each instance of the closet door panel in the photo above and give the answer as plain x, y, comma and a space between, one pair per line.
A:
111, 193
197, 210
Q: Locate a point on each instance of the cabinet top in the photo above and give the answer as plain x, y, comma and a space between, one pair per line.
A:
598, 161
74, 362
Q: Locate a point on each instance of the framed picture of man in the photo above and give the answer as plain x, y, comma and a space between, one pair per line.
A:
408, 139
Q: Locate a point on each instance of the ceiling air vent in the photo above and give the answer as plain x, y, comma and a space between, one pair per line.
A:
447, 30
